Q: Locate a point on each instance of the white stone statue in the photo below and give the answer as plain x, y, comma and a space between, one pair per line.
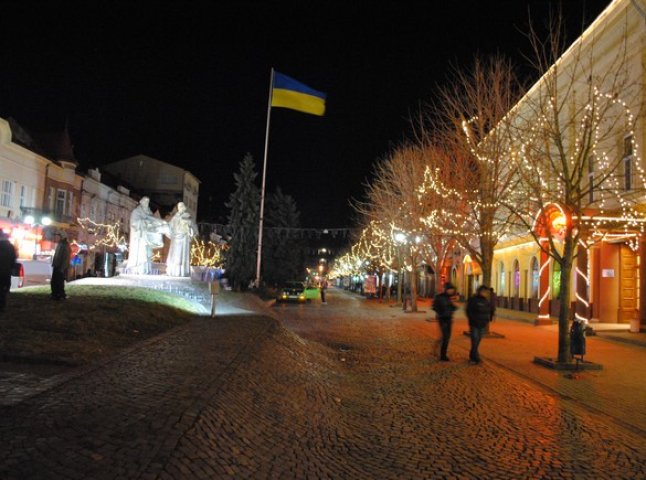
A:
182, 231
145, 234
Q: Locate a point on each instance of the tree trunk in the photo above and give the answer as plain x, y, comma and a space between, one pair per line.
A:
487, 263
487, 270
413, 287
564, 354
437, 277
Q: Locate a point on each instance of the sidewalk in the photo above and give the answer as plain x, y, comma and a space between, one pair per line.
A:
617, 392
618, 332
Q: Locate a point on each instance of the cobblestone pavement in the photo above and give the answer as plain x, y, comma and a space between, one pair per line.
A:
343, 392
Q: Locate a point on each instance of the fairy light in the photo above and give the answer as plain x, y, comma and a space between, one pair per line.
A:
105, 235
207, 254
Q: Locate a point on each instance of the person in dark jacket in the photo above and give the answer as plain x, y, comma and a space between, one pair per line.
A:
323, 288
7, 261
479, 315
60, 263
444, 304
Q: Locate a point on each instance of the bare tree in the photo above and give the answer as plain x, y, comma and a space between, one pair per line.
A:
437, 208
470, 117
375, 247
393, 200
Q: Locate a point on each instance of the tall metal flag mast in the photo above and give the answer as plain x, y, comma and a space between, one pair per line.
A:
264, 176
284, 92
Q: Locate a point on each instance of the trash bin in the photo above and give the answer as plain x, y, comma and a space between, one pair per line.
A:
635, 325
577, 339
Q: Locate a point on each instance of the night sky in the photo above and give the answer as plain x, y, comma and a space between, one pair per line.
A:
187, 82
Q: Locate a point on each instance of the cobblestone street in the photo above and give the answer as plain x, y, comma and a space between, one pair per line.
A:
344, 390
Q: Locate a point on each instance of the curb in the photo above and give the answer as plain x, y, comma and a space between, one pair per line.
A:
614, 338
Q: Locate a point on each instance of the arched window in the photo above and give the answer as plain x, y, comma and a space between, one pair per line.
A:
516, 279
501, 283
535, 278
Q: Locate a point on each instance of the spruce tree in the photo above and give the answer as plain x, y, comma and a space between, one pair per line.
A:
283, 249
243, 204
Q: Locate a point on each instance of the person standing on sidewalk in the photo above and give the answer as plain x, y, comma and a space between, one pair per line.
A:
60, 262
444, 304
7, 261
323, 289
479, 315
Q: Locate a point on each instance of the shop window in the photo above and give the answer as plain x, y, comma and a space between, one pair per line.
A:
556, 279
535, 278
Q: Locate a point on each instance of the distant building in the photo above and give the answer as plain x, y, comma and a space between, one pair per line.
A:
42, 192
105, 218
165, 184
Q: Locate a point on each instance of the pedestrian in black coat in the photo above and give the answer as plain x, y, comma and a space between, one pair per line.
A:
60, 263
479, 315
444, 304
323, 289
7, 261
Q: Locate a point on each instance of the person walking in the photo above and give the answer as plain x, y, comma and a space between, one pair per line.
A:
444, 304
60, 262
479, 315
323, 288
7, 261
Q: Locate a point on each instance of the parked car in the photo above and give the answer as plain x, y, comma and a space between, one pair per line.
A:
17, 276
291, 291
31, 272
312, 292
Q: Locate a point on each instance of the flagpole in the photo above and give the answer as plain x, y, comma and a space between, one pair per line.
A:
264, 176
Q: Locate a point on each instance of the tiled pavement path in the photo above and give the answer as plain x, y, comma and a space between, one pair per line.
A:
357, 395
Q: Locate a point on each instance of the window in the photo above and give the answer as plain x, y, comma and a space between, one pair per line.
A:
23, 195
516, 279
59, 207
502, 285
168, 179
535, 278
628, 162
7, 192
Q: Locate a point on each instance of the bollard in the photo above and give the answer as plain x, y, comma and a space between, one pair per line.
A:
577, 339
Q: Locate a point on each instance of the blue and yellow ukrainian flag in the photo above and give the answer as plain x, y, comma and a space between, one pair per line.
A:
288, 93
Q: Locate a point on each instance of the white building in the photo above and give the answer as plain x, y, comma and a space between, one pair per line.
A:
23, 176
104, 217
